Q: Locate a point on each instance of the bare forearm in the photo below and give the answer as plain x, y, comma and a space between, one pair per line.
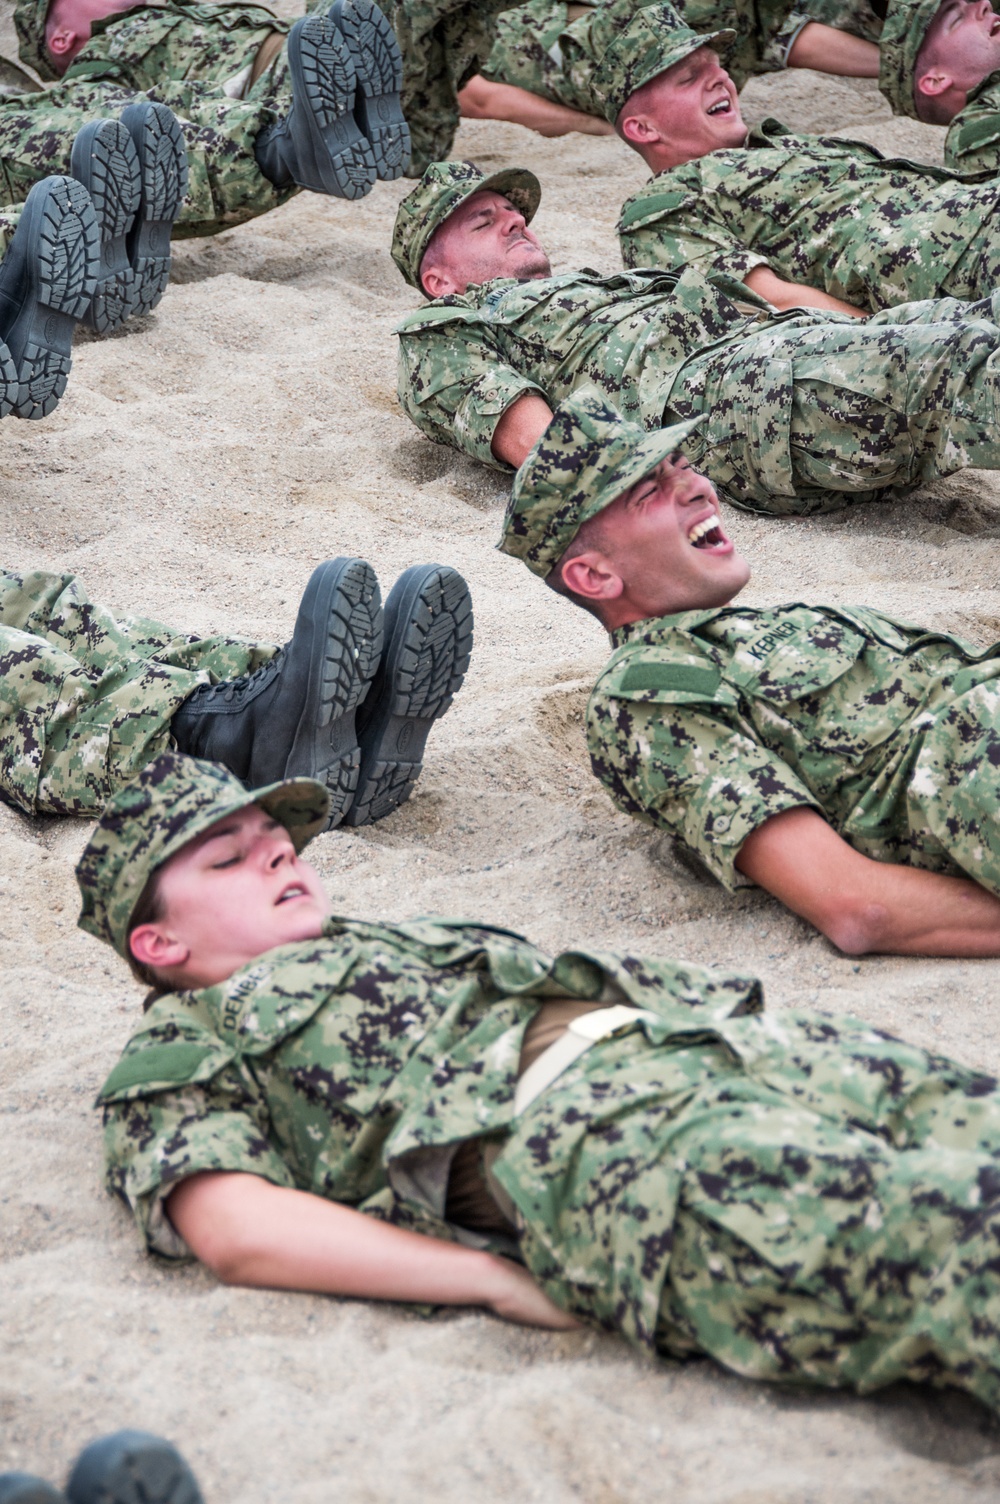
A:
520, 428
482, 99
251, 1232
767, 284
865, 906
831, 51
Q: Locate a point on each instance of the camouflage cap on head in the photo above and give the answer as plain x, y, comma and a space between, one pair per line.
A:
442, 188
906, 23
173, 800
588, 455
635, 41
29, 22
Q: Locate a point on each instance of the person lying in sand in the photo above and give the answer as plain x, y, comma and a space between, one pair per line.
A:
805, 411
88, 699
436, 1111
541, 72
296, 130
939, 62
781, 212
92, 247
841, 759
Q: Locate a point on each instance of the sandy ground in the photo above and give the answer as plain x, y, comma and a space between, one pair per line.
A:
199, 466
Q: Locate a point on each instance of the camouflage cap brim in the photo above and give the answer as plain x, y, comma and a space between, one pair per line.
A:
29, 23
586, 458
172, 802
654, 41
906, 23
443, 187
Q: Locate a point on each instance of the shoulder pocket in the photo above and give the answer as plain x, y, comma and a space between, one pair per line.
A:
685, 678
647, 207
161, 1067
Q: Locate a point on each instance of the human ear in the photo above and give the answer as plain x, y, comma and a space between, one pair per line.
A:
437, 283
591, 576
933, 83
153, 945
637, 129
61, 41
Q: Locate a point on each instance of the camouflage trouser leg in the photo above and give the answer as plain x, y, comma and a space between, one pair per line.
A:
86, 699
225, 185
810, 415
539, 49
840, 1214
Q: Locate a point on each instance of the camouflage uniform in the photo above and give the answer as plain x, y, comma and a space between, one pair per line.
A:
86, 699
906, 22
973, 140
541, 49
443, 43
805, 411
801, 1197
830, 214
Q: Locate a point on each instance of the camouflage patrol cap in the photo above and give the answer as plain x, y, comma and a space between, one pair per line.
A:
442, 188
29, 22
906, 23
173, 800
588, 456
635, 41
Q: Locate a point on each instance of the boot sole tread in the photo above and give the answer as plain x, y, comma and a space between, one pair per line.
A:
321, 61
379, 68
105, 162
163, 173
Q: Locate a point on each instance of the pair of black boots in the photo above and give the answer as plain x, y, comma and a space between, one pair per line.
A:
92, 248
345, 127
350, 700
131, 1467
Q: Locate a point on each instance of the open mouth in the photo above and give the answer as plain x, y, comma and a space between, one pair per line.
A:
294, 890
707, 533
722, 106
994, 27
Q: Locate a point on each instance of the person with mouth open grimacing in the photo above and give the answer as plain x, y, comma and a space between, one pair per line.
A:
800, 219
845, 761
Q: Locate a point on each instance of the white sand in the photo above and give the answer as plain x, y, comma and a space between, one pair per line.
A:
199, 466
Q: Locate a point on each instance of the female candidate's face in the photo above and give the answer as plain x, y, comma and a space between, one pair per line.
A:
233, 893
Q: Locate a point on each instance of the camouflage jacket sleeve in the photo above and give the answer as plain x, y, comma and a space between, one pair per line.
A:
453, 380
667, 740
973, 140
670, 225
153, 1143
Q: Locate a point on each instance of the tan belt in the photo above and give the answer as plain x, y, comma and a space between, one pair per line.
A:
579, 1036
266, 54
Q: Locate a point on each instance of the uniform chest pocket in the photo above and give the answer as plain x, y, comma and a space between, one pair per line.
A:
788, 664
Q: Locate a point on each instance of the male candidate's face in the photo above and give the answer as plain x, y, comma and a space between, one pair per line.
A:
963, 41
693, 106
665, 542
485, 237
233, 893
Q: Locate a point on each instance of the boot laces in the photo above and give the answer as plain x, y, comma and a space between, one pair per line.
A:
238, 691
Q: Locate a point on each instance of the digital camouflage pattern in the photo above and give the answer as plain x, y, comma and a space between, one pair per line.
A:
171, 802
799, 1196
225, 184
444, 43
547, 49
804, 411
585, 459
973, 140
707, 723
826, 213
441, 189
906, 23
86, 698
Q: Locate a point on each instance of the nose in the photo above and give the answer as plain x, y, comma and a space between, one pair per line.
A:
514, 221
275, 847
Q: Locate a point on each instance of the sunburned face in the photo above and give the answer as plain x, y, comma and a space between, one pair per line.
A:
963, 43
68, 27
485, 237
660, 548
233, 893
686, 112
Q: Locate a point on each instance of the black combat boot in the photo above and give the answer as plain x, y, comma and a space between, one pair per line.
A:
428, 632
163, 175
104, 160
379, 68
129, 1466
294, 717
25, 1488
318, 144
47, 280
